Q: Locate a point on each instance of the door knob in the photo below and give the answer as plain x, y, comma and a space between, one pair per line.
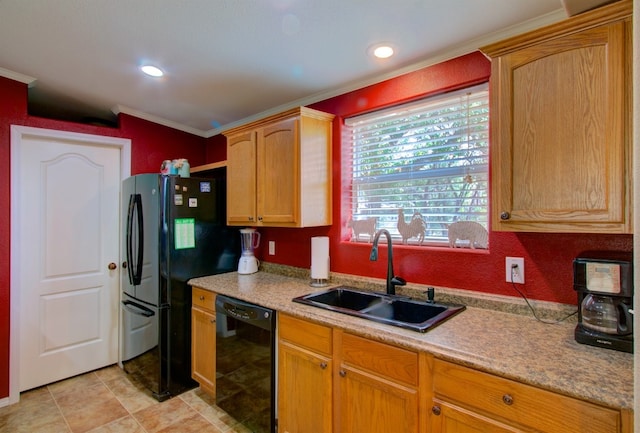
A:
112, 266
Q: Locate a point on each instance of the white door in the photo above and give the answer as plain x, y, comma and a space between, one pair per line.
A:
65, 236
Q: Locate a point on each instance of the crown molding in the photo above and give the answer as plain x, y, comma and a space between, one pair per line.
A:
16, 76
159, 120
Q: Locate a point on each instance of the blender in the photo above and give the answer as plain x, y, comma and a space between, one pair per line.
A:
250, 239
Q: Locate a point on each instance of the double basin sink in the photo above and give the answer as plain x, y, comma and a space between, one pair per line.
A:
393, 310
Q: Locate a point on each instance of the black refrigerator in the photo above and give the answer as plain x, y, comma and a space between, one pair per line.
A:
174, 230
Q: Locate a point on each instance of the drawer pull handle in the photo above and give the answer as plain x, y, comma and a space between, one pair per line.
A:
201, 298
213, 320
323, 365
343, 373
507, 399
436, 410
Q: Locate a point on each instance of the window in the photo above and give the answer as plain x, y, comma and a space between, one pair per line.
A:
419, 167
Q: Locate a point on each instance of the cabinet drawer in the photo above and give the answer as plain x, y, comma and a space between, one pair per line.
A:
390, 361
203, 299
305, 334
519, 403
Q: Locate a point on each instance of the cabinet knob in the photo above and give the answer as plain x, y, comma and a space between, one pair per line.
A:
505, 216
213, 320
507, 399
436, 410
259, 218
323, 365
250, 218
112, 266
343, 373
201, 298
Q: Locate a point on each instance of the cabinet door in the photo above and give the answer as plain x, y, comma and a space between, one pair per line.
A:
241, 179
305, 391
560, 158
203, 349
372, 404
446, 418
278, 173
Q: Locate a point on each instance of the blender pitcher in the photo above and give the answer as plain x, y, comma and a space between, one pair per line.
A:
249, 241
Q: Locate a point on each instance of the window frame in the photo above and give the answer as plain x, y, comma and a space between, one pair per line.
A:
389, 111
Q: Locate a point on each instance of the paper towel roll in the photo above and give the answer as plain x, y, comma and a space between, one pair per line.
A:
320, 258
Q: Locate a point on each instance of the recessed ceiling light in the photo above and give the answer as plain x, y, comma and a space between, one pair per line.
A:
152, 71
383, 51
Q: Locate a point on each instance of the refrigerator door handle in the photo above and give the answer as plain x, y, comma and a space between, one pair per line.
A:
137, 309
135, 270
128, 239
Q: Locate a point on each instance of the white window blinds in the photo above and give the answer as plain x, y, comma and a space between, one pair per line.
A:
427, 159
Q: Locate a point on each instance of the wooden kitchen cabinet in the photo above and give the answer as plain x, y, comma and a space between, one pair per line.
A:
203, 339
305, 369
560, 125
378, 387
279, 170
464, 400
329, 380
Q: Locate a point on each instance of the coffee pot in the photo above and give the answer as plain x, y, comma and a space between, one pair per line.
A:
604, 284
606, 314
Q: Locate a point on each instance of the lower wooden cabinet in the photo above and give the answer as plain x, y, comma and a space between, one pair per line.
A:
203, 339
305, 384
332, 381
378, 387
466, 400
329, 380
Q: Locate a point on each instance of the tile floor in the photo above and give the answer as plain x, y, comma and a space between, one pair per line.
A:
107, 400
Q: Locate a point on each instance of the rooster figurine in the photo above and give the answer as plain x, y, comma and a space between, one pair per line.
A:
414, 228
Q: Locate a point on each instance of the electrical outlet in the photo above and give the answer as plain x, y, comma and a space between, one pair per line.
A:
272, 248
514, 275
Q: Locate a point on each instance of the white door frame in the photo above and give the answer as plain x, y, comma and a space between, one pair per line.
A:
17, 134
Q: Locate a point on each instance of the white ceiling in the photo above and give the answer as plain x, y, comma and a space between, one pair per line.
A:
228, 61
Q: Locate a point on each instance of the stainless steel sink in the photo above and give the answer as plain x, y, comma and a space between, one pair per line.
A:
393, 310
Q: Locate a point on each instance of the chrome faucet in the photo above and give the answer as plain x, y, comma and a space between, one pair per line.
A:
392, 280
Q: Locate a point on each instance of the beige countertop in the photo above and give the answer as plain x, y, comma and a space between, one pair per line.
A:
510, 345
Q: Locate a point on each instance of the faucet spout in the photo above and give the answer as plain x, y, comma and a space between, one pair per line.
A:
392, 280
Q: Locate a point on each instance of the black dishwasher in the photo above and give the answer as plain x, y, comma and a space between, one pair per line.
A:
245, 363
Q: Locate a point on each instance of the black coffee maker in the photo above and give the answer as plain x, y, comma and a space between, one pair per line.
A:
604, 283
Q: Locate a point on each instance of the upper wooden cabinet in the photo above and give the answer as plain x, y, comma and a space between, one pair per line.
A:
279, 170
560, 126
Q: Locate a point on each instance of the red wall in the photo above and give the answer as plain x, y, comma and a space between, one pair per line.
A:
548, 257
150, 145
